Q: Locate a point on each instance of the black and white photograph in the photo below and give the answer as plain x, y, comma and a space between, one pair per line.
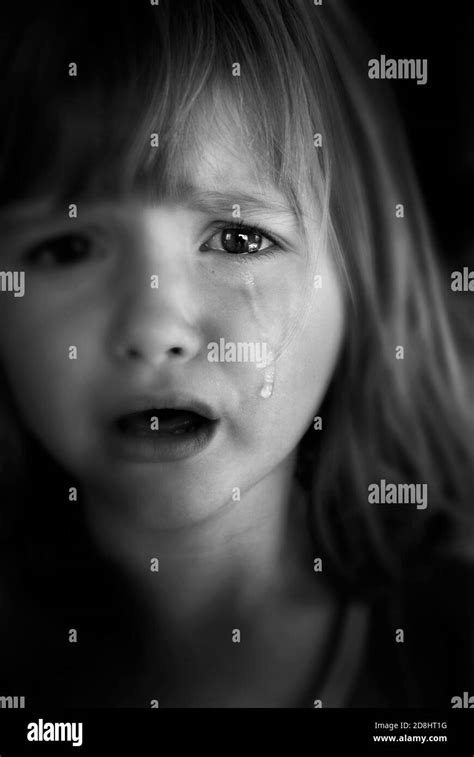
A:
237, 369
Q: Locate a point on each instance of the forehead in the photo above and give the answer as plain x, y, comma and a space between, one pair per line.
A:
226, 175
222, 142
216, 148
217, 177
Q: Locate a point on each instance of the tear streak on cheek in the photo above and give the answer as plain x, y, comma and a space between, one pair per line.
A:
268, 362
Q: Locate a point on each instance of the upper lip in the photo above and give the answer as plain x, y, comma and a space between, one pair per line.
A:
178, 400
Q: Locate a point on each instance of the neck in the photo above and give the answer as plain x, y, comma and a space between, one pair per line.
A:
237, 562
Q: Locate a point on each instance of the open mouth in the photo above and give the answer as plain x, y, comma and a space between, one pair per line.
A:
159, 422
175, 428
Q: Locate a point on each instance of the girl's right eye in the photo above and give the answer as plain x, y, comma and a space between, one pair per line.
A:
65, 250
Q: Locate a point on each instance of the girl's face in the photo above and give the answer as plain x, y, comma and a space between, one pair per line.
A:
129, 304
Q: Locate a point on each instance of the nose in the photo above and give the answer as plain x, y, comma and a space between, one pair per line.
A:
154, 325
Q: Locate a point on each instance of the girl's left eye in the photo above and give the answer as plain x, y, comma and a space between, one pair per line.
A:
239, 239
64, 250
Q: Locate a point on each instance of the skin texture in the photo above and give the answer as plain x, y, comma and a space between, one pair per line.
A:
239, 561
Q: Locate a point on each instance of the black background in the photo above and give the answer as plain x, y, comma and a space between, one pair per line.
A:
438, 116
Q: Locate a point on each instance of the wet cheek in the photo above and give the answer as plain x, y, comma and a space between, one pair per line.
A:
256, 307
307, 367
274, 399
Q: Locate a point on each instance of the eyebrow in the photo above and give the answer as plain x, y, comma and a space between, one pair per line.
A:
28, 212
203, 201
213, 201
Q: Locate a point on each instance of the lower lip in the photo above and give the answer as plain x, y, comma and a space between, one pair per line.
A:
153, 448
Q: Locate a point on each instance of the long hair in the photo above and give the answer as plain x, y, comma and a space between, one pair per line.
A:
168, 70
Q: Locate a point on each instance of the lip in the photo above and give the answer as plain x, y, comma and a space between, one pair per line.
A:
168, 448
166, 401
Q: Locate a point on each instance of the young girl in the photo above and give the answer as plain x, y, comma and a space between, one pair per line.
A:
236, 429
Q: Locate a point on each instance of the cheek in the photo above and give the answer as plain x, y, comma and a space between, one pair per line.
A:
36, 345
34, 353
35, 356
306, 367
256, 300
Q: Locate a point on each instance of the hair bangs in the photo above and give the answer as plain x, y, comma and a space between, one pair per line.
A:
152, 86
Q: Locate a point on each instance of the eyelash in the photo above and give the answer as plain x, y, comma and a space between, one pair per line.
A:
240, 225
31, 255
235, 225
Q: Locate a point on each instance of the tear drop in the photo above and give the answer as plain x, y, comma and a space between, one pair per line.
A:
269, 377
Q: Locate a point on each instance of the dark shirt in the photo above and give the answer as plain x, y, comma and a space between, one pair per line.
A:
435, 661
365, 667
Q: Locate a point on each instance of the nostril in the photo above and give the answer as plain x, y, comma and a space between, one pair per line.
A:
176, 351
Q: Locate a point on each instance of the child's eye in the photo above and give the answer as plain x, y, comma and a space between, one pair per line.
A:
64, 250
239, 239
